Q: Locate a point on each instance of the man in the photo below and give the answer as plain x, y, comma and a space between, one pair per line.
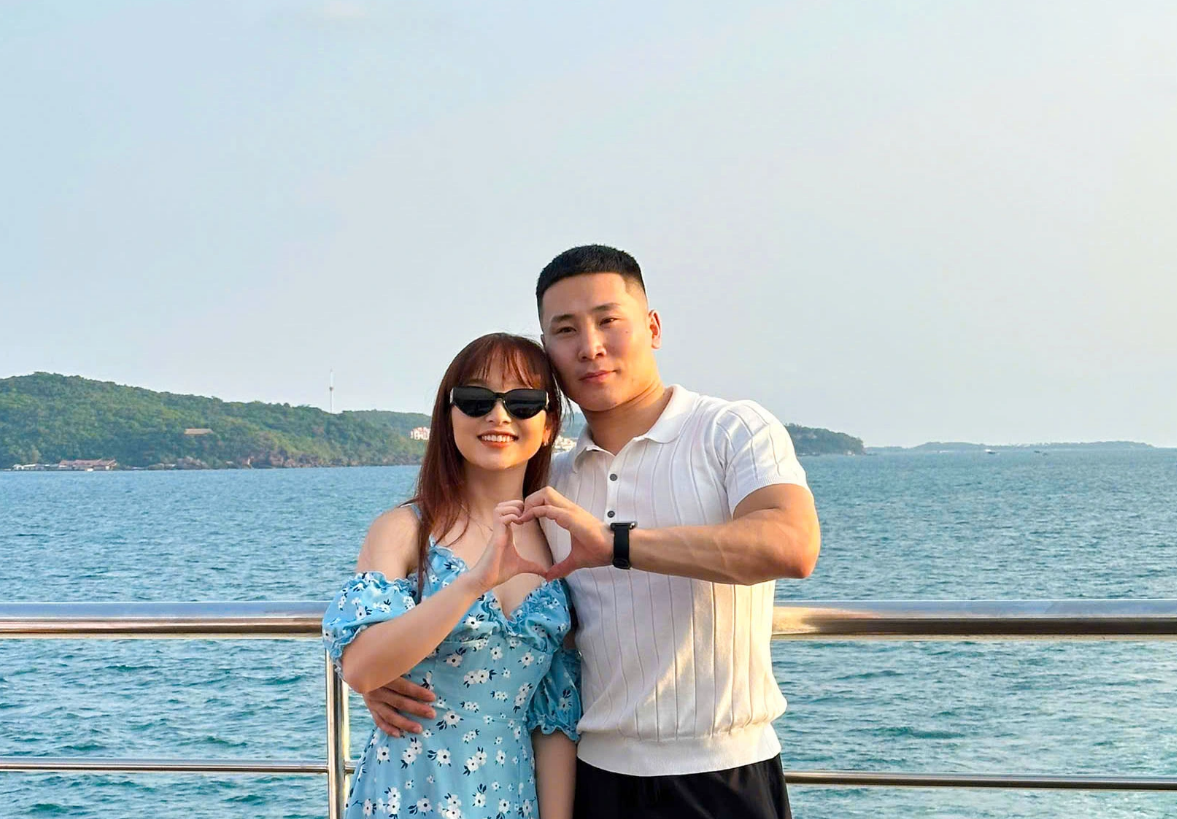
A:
672, 518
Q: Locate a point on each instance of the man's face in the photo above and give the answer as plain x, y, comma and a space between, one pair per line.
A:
601, 336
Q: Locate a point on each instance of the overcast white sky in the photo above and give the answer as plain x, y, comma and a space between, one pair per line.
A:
908, 221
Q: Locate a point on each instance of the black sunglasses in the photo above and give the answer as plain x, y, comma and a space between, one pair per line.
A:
479, 401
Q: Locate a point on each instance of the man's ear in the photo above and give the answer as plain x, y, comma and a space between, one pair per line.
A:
655, 324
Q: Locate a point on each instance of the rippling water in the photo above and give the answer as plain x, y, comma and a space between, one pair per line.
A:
1019, 525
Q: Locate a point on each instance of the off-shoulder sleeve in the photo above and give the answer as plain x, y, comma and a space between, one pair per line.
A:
556, 704
366, 599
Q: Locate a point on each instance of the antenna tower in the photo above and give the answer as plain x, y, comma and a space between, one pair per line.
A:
331, 394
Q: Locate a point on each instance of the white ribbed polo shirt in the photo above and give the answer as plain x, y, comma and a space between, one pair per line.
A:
677, 676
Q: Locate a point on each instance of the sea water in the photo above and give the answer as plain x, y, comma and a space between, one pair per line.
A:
1018, 525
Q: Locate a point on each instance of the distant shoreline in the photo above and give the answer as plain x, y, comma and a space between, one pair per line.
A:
957, 447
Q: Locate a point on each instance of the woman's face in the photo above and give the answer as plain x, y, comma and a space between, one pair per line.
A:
498, 441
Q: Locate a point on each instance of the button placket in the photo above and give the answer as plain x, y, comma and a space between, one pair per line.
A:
611, 488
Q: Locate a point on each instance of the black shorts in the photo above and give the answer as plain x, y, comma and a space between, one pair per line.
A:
755, 791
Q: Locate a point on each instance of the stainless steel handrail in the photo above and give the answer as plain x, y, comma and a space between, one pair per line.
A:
810, 620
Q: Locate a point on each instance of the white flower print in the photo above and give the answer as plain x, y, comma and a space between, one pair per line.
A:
454, 659
469, 766
507, 673
504, 806
415, 745
441, 757
394, 801
408, 757
498, 740
450, 719
501, 757
382, 754
496, 653
470, 622
512, 642
470, 706
425, 732
452, 801
469, 736
440, 703
480, 757
429, 779
422, 806
526, 807
527, 659
500, 695
408, 784
368, 807
494, 786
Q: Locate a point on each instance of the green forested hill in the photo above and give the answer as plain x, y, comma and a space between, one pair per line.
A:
806, 440
47, 418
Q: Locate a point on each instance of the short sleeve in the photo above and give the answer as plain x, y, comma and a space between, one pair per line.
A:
556, 704
366, 599
756, 451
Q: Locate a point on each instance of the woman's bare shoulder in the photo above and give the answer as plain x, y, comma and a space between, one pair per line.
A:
391, 543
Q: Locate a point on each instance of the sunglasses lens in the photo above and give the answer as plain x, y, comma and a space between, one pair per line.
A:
473, 401
526, 403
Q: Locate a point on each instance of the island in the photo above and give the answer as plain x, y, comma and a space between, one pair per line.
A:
74, 423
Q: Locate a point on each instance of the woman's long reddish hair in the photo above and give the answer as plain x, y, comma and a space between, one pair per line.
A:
441, 484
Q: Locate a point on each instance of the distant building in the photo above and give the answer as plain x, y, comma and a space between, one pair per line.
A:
419, 433
198, 431
563, 444
100, 465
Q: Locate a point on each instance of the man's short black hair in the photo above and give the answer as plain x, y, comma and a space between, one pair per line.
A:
583, 260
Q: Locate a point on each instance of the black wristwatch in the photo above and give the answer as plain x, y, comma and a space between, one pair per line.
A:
621, 542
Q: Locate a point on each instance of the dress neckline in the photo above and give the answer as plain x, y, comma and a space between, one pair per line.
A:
495, 603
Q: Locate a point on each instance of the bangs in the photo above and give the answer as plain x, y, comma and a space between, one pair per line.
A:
500, 355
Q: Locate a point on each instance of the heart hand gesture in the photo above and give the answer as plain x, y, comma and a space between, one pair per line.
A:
500, 559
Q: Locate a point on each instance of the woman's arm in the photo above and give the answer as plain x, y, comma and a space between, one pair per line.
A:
385, 651
555, 773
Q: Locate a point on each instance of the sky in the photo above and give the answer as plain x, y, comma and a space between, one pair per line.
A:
908, 221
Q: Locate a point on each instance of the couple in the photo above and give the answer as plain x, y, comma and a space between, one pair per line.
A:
664, 529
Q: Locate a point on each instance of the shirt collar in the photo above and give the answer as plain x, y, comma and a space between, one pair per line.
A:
668, 426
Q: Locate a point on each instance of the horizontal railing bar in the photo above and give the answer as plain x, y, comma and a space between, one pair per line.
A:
810, 620
869, 779
104, 765
855, 779
977, 619
213, 620
85, 764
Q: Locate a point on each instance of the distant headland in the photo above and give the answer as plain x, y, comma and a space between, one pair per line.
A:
955, 447
59, 422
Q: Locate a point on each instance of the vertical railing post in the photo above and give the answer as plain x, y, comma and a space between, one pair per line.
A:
338, 744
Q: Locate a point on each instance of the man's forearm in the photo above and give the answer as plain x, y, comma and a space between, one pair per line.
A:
760, 546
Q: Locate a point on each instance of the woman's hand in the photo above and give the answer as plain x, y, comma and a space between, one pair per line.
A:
500, 560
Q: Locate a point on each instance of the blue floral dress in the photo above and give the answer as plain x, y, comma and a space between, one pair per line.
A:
496, 678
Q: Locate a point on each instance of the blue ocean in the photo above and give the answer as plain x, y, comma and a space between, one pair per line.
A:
1019, 525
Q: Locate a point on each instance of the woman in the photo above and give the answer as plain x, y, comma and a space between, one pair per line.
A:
447, 593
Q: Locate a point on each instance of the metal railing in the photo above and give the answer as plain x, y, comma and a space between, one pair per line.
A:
825, 621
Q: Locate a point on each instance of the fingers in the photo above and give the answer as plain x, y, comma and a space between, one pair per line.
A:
385, 719
405, 688
562, 569
545, 497
529, 567
561, 517
394, 723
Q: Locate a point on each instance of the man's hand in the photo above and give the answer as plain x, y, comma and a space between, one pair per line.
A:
592, 541
388, 706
